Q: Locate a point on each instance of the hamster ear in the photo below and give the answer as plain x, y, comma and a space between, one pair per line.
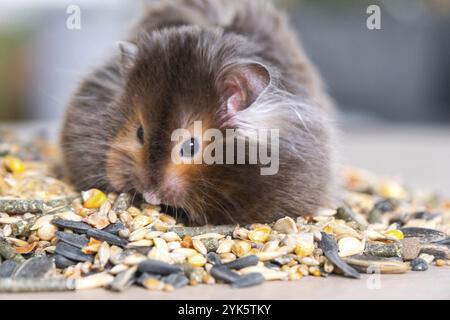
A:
128, 53
241, 85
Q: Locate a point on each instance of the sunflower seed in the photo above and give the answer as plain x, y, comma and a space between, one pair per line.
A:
444, 242
144, 276
123, 280
425, 235
330, 249
37, 267
62, 262
439, 251
177, 280
249, 280
347, 214
76, 240
221, 273
243, 262
72, 253
76, 226
213, 258
106, 236
158, 267
7, 268
283, 260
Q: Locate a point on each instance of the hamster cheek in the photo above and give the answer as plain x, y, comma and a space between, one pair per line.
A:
125, 164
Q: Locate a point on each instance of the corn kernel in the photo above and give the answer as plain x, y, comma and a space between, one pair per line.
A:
241, 248
440, 262
197, 260
316, 273
392, 189
295, 276
328, 229
168, 288
14, 165
153, 284
94, 199
260, 234
304, 249
187, 242
397, 234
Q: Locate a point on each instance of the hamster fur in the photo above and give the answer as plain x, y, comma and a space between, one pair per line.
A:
232, 64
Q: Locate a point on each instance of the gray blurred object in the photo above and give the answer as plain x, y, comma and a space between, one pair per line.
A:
64, 56
59, 57
399, 73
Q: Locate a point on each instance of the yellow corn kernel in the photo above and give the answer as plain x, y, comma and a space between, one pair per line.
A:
440, 262
260, 234
153, 284
197, 260
397, 234
328, 229
316, 273
168, 288
14, 165
304, 249
285, 268
392, 189
94, 199
295, 276
186, 242
240, 248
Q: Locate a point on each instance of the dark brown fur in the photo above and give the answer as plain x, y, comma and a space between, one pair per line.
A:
177, 78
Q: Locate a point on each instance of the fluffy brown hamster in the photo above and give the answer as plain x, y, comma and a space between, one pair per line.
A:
232, 65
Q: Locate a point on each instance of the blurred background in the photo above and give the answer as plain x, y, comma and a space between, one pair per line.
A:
391, 85
398, 73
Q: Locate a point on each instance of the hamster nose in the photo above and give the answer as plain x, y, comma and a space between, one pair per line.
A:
151, 198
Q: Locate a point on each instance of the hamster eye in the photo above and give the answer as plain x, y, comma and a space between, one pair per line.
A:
189, 148
140, 134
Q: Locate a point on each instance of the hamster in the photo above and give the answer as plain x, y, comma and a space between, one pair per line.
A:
230, 64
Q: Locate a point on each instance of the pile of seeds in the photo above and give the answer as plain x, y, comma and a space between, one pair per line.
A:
53, 239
